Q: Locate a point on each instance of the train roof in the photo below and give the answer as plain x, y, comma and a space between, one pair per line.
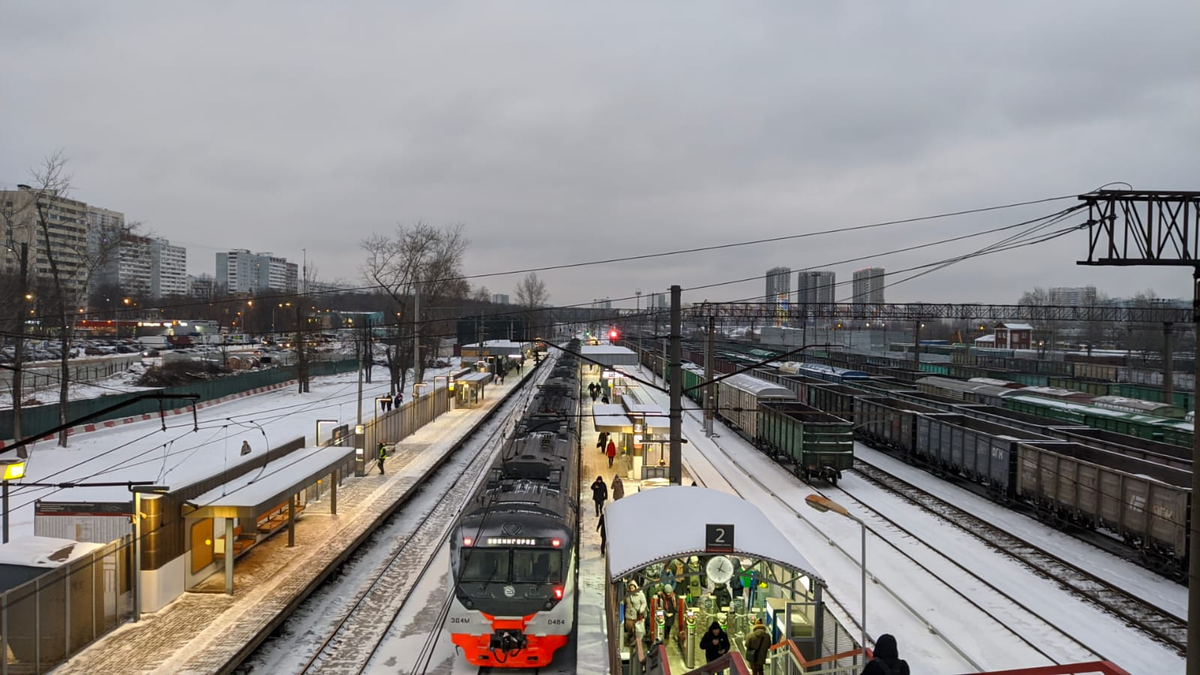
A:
757, 387
833, 370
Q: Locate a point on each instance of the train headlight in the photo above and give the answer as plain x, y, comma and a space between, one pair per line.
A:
558, 593
556, 543
467, 541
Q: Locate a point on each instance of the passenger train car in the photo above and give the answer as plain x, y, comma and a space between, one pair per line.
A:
512, 552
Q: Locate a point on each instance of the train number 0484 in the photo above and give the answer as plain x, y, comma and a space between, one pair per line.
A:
557, 622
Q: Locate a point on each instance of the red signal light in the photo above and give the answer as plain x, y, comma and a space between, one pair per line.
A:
467, 541
613, 333
556, 543
558, 593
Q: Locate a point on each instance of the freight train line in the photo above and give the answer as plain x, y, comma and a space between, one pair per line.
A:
933, 629
358, 635
1154, 621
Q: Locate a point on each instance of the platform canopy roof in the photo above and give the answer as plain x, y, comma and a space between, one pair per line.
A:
611, 417
632, 546
757, 387
258, 492
608, 355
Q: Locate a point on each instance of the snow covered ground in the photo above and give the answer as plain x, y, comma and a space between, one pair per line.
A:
737, 465
144, 451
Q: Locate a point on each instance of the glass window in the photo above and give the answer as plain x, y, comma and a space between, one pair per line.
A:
483, 565
537, 566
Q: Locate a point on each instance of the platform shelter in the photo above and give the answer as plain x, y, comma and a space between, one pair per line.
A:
713, 557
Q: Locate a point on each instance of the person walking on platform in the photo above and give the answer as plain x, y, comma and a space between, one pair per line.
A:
383, 454
599, 493
611, 452
715, 642
618, 488
670, 608
245, 448
397, 400
602, 441
385, 403
886, 659
603, 534
758, 647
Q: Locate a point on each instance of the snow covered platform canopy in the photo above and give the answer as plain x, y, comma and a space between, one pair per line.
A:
495, 348
611, 417
608, 355
257, 492
692, 509
725, 557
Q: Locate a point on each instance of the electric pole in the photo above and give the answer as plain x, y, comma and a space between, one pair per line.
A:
676, 472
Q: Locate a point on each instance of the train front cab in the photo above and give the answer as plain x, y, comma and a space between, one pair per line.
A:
718, 543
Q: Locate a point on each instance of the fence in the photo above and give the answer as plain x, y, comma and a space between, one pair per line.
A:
47, 375
37, 420
46, 620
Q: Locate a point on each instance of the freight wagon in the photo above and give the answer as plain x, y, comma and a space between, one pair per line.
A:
1144, 503
739, 397
981, 451
816, 444
885, 422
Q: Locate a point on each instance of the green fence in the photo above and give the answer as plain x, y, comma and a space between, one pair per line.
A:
39, 419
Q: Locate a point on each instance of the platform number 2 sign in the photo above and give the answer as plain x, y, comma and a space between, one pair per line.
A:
718, 538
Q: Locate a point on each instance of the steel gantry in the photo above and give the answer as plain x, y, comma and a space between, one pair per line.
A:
918, 311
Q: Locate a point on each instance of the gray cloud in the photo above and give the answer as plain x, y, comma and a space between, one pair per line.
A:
565, 133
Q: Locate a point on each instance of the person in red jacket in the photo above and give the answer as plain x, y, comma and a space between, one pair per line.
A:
611, 451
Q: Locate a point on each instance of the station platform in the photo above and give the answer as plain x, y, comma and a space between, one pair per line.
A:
593, 649
204, 632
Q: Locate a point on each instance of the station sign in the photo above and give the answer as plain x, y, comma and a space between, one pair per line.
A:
718, 538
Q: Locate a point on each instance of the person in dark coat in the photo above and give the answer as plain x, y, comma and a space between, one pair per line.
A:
245, 447
603, 534
599, 493
602, 440
886, 659
758, 647
715, 642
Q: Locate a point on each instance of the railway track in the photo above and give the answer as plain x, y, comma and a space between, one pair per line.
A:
1151, 620
357, 636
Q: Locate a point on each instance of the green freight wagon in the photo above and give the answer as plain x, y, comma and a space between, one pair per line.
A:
816, 444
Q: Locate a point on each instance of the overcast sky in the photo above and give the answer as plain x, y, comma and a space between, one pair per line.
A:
558, 133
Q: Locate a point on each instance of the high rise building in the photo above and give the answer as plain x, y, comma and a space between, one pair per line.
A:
168, 269
67, 223
500, 299
868, 285
779, 285
658, 301
240, 271
815, 287
1081, 296
133, 265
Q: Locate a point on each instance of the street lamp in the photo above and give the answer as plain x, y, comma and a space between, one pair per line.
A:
416, 391
153, 492
824, 504
13, 469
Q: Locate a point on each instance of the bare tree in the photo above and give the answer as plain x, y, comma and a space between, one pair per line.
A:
532, 295
71, 260
304, 329
416, 259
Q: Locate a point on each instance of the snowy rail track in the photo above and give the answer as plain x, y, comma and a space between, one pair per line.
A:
349, 622
1151, 620
353, 641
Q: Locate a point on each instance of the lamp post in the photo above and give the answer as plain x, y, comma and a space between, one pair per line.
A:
13, 470
416, 390
138, 491
824, 504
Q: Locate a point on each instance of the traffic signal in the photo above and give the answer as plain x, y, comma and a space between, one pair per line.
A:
612, 334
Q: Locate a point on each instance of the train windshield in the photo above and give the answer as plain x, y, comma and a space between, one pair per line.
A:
484, 565
537, 566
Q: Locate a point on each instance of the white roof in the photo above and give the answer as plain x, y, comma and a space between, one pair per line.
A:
45, 552
497, 343
611, 417
591, 350
632, 546
757, 387
272, 482
986, 338
1016, 326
